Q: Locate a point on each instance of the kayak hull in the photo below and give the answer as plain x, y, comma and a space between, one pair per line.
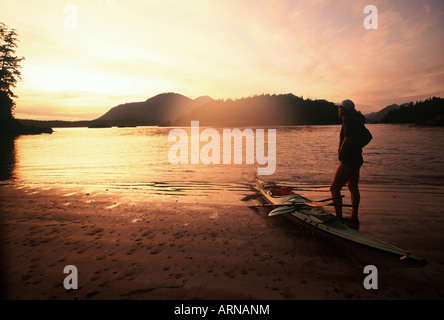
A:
360, 247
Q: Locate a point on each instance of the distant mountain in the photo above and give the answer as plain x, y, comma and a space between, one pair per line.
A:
172, 109
378, 116
202, 100
154, 111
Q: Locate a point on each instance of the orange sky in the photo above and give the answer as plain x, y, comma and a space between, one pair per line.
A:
124, 51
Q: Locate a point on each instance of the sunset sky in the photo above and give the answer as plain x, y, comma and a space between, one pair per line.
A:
125, 51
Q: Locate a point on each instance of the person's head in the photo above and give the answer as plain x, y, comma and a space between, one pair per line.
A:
346, 108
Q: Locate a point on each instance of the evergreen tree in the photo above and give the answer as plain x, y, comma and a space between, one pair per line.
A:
9, 70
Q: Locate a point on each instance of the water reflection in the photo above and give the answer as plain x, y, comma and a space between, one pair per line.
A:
7, 158
130, 158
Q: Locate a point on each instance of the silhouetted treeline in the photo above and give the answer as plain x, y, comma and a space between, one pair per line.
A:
429, 111
59, 123
263, 110
11, 127
176, 110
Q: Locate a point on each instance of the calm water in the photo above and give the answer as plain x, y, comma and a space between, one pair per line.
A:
137, 159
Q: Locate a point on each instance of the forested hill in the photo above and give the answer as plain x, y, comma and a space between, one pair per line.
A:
176, 110
154, 111
429, 111
263, 110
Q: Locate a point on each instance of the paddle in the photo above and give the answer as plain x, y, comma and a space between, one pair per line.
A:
319, 203
290, 208
310, 204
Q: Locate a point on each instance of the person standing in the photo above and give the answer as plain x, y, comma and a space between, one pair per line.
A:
351, 160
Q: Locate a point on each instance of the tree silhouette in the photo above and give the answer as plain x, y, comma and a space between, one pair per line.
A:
9, 70
263, 110
9, 75
422, 112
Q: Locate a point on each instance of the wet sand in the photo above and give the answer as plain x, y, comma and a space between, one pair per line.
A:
132, 247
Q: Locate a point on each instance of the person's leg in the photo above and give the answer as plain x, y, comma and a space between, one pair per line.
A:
342, 176
354, 192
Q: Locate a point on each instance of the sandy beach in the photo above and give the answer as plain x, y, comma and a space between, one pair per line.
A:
131, 247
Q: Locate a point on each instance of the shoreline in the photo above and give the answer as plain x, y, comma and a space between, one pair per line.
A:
152, 249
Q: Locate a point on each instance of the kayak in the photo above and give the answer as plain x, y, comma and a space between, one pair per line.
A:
366, 250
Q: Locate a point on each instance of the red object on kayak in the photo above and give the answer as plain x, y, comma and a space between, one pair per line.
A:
284, 191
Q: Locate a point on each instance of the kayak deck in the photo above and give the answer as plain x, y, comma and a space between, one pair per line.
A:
366, 249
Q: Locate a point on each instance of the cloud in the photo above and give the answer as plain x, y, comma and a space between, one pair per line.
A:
229, 49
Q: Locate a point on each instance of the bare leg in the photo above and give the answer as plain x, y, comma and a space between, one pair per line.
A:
355, 195
341, 177
345, 174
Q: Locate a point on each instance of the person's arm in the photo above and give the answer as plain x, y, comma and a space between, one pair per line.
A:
344, 149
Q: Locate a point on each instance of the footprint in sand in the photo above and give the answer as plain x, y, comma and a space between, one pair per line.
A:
95, 231
213, 216
112, 206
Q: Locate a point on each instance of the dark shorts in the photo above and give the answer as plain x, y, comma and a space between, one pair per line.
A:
353, 162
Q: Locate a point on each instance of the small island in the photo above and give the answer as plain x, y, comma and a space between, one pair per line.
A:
13, 128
